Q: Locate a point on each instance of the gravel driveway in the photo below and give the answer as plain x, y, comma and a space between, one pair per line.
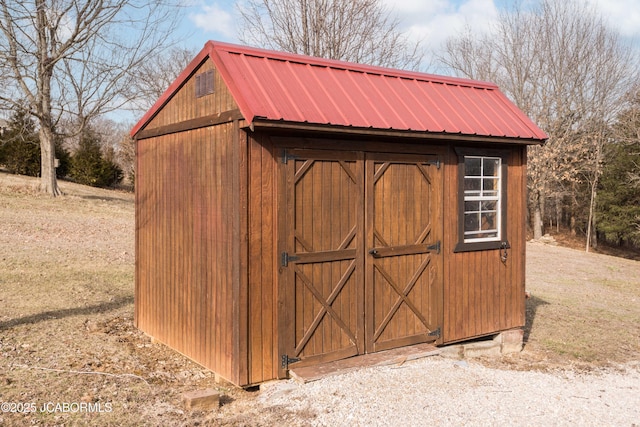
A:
440, 391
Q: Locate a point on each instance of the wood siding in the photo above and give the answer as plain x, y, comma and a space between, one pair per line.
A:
189, 249
184, 105
482, 295
208, 245
262, 267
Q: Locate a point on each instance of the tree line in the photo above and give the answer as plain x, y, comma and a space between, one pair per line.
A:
557, 60
72, 61
574, 76
91, 161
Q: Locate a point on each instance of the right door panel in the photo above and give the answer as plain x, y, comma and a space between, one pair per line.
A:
403, 285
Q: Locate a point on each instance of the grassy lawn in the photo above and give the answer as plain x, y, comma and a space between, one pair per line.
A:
66, 316
584, 310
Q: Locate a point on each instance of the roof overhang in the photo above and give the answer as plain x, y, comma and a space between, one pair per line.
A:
270, 125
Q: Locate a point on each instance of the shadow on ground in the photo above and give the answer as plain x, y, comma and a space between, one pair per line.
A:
67, 312
106, 198
532, 305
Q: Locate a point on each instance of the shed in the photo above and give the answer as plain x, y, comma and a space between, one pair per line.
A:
292, 210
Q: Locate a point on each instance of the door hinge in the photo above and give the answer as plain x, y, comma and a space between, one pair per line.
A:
285, 258
435, 247
286, 156
435, 163
435, 333
286, 360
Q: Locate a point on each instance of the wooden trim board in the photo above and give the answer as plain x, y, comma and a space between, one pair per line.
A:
192, 124
382, 358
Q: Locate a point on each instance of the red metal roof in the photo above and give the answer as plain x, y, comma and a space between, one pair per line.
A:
284, 87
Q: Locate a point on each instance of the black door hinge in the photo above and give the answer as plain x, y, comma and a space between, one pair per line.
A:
435, 247
286, 156
286, 360
435, 332
285, 258
435, 163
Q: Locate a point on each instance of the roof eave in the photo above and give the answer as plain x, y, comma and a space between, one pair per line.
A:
261, 123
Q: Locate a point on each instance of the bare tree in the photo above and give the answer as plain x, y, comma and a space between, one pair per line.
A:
73, 59
568, 71
626, 131
156, 75
358, 31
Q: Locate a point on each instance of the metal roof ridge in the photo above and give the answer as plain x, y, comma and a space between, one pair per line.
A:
350, 66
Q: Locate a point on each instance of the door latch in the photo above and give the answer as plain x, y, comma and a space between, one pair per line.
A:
503, 252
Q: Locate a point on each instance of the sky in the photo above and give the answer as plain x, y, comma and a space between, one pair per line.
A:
431, 21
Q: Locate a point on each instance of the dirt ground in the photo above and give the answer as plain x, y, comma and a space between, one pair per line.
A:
67, 341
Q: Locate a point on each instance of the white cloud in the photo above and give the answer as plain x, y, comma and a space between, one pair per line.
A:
622, 15
433, 21
214, 19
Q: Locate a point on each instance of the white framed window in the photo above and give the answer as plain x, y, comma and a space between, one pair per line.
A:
482, 199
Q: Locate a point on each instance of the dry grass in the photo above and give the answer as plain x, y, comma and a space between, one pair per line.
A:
585, 309
66, 317
66, 309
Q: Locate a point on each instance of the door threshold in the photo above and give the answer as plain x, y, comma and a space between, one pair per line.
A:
387, 357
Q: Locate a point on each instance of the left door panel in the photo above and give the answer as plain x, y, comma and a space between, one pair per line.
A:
321, 272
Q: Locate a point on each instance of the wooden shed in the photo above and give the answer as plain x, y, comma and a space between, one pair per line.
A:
292, 210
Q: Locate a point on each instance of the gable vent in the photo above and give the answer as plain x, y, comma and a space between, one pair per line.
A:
204, 84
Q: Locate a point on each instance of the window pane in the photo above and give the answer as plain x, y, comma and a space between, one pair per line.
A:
488, 221
471, 207
489, 206
472, 186
472, 166
490, 167
471, 222
490, 184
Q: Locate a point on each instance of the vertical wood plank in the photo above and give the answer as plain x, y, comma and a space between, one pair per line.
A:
269, 368
263, 292
255, 253
241, 335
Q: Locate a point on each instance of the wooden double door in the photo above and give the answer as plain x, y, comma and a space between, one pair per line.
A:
360, 262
